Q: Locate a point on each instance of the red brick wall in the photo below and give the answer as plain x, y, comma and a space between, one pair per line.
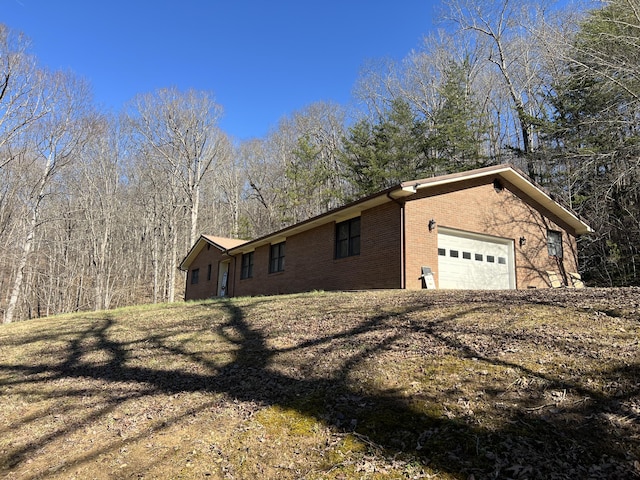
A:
477, 207
480, 209
310, 262
204, 288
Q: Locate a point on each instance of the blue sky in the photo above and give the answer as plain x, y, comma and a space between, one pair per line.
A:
261, 59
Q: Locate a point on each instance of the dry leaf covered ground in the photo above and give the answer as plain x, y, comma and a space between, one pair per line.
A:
384, 384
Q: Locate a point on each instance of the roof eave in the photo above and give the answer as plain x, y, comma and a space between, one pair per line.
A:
540, 196
336, 215
515, 177
407, 189
195, 251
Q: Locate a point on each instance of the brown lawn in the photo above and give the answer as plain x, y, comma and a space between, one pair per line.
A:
384, 384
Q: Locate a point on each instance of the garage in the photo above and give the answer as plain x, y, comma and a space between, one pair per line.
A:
470, 261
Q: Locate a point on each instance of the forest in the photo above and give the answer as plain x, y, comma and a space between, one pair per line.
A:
98, 208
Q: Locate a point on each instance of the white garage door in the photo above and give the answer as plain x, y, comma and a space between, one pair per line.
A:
471, 261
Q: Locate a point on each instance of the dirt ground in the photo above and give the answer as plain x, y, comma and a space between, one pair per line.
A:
379, 384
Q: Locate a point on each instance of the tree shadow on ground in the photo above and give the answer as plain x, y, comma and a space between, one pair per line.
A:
536, 440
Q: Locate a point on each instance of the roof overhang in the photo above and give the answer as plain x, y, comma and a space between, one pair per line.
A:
222, 244
337, 215
542, 198
518, 180
407, 189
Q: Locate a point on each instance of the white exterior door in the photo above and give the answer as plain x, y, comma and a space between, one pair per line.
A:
223, 278
469, 261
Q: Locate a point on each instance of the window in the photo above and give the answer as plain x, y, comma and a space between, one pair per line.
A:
442, 252
502, 260
348, 238
479, 257
276, 258
491, 259
209, 273
247, 265
554, 243
466, 255
195, 274
453, 253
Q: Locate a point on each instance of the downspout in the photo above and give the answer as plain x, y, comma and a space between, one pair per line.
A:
403, 257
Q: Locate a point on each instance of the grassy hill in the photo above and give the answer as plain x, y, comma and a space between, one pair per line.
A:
384, 384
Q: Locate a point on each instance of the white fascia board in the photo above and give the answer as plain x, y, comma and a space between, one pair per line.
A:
404, 191
546, 201
514, 177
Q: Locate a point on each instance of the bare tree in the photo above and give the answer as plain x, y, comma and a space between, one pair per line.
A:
319, 130
294, 173
96, 185
504, 30
425, 80
225, 195
20, 101
265, 185
20, 105
182, 129
159, 209
48, 147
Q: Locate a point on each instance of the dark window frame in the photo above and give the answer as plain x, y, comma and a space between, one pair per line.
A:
246, 270
195, 276
209, 268
348, 238
554, 243
276, 257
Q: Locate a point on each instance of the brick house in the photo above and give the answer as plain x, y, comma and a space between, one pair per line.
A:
490, 228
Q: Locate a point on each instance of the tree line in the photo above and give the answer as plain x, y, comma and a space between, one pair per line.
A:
97, 209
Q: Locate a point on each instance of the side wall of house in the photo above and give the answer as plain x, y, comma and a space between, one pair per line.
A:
310, 262
206, 262
479, 208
